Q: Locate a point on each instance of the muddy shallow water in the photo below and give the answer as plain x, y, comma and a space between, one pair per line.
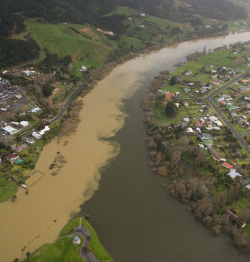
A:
121, 221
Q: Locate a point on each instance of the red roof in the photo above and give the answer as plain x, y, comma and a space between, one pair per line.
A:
197, 124
233, 163
171, 95
228, 166
223, 102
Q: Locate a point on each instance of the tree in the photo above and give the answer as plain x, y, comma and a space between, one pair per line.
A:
28, 255
47, 90
171, 109
173, 80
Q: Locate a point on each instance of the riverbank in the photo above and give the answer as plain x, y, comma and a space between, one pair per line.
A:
179, 116
87, 150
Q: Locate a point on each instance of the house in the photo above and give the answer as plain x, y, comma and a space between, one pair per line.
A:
233, 174
227, 166
234, 218
223, 103
24, 123
190, 130
198, 129
10, 130
218, 123
36, 109
21, 148
170, 95
43, 131
247, 187
36, 135
216, 82
197, 124
12, 157
185, 103
186, 120
188, 73
205, 136
214, 154
213, 118
29, 140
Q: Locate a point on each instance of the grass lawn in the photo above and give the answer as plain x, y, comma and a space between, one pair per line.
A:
64, 251
61, 251
160, 116
7, 189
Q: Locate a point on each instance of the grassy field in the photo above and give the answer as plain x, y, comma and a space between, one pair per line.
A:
61, 39
61, 251
7, 189
64, 251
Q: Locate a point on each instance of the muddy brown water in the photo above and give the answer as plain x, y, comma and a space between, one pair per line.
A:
134, 217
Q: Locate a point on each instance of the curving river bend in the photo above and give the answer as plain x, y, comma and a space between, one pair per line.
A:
134, 217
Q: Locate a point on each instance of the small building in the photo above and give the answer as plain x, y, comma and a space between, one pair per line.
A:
24, 123
10, 130
235, 219
227, 166
233, 174
21, 148
12, 157
43, 131
36, 109
205, 136
36, 135
190, 130
76, 240
186, 120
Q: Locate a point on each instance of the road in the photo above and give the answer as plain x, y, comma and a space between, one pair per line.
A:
66, 104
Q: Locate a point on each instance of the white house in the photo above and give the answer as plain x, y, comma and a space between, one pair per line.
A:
36, 135
233, 174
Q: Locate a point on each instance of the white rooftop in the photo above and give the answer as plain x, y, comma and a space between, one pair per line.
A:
233, 174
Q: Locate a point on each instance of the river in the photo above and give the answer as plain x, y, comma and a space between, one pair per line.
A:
135, 218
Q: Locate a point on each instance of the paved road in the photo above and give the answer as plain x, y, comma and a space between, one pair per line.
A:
66, 104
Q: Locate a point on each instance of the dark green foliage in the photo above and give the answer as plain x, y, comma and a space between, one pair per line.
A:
171, 109
47, 90
159, 100
55, 11
221, 10
173, 80
11, 24
53, 62
113, 23
176, 30
14, 52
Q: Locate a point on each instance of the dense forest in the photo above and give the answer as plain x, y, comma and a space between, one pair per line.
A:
13, 51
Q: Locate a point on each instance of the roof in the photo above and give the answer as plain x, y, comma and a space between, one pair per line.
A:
233, 174
14, 155
228, 166
10, 130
